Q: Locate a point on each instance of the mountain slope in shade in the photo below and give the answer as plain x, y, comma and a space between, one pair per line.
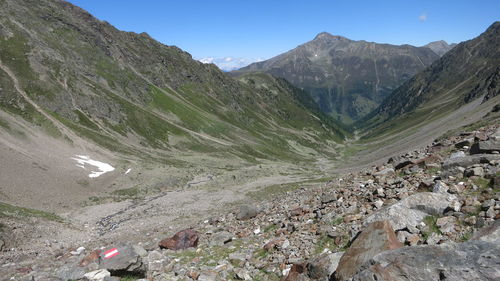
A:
440, 47
347, 78
469, 72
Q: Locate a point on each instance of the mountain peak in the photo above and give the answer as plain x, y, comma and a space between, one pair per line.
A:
328, 36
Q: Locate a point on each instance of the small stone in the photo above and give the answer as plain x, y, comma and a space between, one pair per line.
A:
242, 274
378, 204
97, 275
433, 239
440, 187
351, 218
490, 213
470, 220
446, 224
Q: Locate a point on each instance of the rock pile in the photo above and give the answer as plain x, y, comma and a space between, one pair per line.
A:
431, 214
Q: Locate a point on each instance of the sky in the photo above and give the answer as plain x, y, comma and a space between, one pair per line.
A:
233, 33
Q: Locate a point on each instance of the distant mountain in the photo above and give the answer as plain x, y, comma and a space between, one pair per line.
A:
347, 78
470, 72
440, 47
74, 76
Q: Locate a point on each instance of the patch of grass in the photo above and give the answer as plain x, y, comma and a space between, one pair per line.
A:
430, 222
482, 183
466, 236
338, 220
272, 190
270, 228
324, 242
127, 192
260, 253
7, 210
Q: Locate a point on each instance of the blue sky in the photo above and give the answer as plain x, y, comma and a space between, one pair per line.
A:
247, 30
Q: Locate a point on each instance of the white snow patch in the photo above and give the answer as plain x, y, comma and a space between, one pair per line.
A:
101, 166
128, 171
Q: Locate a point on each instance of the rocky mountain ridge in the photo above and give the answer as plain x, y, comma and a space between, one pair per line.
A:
347, 78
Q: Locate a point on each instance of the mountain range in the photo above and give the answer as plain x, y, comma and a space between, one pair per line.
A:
348, 78
118, 152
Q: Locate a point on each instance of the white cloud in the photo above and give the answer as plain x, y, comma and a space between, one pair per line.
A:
422, 17
230, 63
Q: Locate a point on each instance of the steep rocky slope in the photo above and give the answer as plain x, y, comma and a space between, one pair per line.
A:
468, 73
347, 78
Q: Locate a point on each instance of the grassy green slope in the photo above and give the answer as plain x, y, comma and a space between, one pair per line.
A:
132, 94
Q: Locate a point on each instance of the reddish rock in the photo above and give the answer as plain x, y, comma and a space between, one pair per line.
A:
273, 244
350, 218
91, 257
297, 272
183, 239
377, 237
297, 212
193, 274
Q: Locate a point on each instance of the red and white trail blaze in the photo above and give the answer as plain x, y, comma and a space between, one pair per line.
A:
111, 253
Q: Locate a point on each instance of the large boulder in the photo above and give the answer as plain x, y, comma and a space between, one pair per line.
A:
477, 259
413, 209
474, 260
488, 146
122, 258
375, 238
187, 238
453, 165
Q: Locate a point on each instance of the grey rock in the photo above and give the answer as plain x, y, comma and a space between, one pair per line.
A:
208, 276
385, 172
473, 260
489, 233
433, 239
322, 267
70, 272
220, 238
475, 171
413, 209
127, 259
446, 224
488, 146
242, 274
440, 187
97, 275
458, 154
247, 212
451, 166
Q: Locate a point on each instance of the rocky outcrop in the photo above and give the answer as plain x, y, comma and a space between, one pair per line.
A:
412, 210
375, 238
473, 260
